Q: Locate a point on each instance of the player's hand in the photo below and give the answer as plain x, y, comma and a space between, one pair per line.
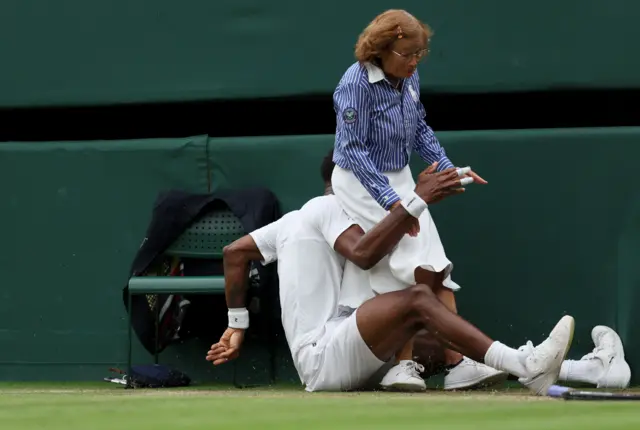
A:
227, 348
433, 187
415, 228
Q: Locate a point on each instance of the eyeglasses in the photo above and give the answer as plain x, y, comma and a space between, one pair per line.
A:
417, 55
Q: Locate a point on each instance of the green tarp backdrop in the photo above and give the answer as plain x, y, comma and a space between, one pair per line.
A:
90, 52
556, 230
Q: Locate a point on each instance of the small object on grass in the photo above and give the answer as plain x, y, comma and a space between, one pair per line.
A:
567, 393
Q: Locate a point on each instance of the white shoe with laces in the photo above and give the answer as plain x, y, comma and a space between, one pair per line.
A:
608, 349
471, 374
544, 361
405, 376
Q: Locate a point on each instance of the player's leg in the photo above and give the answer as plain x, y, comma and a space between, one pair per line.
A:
406, 374
416, 260
445, 295
604, 367
461, 373
388, 321
429, 353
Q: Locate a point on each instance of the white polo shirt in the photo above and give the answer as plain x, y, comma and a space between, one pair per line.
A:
309, 269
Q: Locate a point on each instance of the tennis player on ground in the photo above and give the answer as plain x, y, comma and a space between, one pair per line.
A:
335, 349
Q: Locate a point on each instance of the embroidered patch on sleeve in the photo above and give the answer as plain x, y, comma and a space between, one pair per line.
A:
349, 115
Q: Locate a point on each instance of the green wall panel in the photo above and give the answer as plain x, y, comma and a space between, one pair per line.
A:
86, 52
73, 216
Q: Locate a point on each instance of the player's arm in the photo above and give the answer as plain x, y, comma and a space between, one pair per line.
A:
236, 259
259, 245
365, 250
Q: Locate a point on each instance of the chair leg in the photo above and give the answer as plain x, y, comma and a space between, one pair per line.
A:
157, 318
235, 375
129, 349
273, 349
272, 339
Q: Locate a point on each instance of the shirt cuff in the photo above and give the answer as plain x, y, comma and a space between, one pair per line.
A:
444, 163
387, 197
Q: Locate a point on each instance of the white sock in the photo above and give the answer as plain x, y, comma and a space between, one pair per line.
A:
587, 371
501, 357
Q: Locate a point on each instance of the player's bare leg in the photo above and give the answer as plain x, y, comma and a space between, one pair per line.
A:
463, 373
388, 321
406, 374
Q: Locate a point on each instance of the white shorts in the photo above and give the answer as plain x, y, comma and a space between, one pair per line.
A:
340, 360
397, 270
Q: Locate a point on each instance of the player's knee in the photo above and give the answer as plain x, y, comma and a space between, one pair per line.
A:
421, 298
421, 293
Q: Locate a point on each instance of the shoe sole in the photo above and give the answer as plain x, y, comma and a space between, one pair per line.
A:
498, 378
568, 347
564, 356
406, 388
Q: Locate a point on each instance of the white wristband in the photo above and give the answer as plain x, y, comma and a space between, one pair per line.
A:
413, 204
239, 318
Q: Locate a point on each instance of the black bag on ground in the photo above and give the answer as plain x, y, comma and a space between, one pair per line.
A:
155, 376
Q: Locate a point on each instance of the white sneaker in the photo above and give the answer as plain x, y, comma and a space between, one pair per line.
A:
609, 351
471, 374
545, 360
404, 376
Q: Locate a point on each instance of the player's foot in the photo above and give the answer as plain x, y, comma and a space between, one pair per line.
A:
405, 376
609, 351
471, 374
545, 360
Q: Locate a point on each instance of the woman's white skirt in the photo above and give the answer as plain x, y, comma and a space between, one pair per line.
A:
397, 270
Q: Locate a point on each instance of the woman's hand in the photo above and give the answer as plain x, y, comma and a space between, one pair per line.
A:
476, 178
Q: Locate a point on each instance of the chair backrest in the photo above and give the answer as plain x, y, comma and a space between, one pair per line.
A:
208, 235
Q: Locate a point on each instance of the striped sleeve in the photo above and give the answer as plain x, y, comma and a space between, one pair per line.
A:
426, 144
352, 105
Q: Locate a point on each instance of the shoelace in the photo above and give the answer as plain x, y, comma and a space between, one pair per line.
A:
592, 354
414, 369
466, 361
527, 347
534, 354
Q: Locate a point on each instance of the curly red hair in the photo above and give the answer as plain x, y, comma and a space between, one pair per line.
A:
385, 29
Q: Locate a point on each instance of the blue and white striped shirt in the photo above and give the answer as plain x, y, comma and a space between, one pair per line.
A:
377, 128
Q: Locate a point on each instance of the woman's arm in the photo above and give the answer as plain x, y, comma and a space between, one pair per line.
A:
425, 142
352, 106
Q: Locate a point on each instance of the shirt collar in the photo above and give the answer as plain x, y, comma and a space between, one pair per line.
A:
375, 73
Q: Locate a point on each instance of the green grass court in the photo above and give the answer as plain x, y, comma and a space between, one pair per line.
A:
27, 406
